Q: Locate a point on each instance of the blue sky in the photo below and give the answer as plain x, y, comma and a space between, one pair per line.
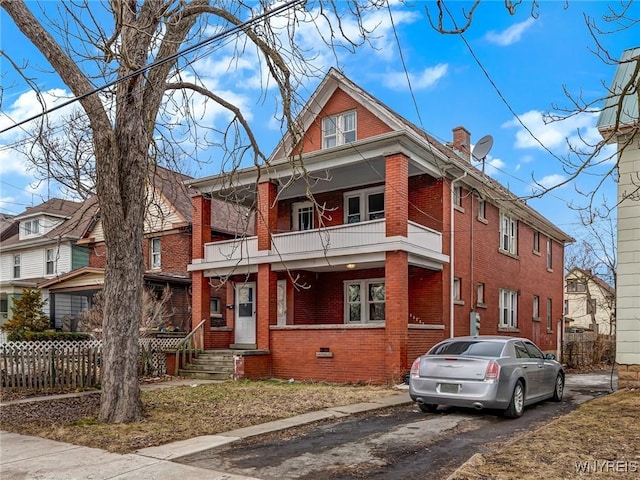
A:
528, 61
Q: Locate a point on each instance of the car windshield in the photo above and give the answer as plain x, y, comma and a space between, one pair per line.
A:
473, 348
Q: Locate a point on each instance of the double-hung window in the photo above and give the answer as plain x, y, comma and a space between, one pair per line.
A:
50, 261
536, 241
482, 209
549, 254
508, 234
508, 308
364, 205
155, 253
16, 265
339, 129
549, 316
364, 301
536, 307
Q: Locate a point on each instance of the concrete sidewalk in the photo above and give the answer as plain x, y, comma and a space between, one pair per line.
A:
24, 457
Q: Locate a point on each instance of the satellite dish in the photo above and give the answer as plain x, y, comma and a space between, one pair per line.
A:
481, 149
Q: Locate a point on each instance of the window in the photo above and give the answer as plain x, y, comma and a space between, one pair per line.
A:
155, 253
214, 313
214, 306
549, 316
521, 350
508, 308
549, 254
536, 307
536, 242
508, 234
592, 306
457, 196
576, 286
339, 129
480, 291
456, 289
365, 301
50, 261
566, 307
364, 205
482, 209
303, 216
31, 227
534, 352
16, 266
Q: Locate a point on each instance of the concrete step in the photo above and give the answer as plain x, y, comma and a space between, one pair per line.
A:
208, 368
204, 375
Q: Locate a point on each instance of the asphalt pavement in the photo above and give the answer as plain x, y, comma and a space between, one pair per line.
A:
25, 457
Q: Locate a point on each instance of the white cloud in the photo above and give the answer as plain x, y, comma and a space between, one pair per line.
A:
426, 79
511, 35
492, 166
552, 180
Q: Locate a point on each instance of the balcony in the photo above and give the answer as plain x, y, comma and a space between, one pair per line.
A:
364, 243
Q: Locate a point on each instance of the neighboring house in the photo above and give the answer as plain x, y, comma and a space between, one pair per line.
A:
407, 244
166, 249
619, 124
589, 302
38, 245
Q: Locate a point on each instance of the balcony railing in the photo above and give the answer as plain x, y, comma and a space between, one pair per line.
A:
331, 241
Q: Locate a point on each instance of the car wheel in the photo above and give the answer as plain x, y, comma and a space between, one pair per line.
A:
559, 389
428, 407
516, 406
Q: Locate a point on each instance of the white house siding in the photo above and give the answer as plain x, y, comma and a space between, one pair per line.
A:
628, 278
160, 215
33, 262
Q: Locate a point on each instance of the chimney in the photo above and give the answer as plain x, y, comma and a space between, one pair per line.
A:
462, 142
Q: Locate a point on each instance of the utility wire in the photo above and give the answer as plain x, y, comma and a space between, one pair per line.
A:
162, 61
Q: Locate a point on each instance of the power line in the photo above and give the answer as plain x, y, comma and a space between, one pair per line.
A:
162, 61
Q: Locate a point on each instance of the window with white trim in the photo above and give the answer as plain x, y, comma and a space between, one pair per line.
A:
30, 227
302, 216
508, 234
482, 209
456, 289
50, 261
339, 129
536, 241
508, 308
155, 253
549, 316
457, 196
363, 205
364, 301
536, 307
16, 265
480, 293
549, 253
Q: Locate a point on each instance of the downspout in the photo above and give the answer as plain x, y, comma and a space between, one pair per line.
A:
451, 256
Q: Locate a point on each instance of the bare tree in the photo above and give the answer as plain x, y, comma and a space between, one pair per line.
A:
148, 53
584, 156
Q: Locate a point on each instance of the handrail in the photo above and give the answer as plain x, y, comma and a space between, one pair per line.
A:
190, 346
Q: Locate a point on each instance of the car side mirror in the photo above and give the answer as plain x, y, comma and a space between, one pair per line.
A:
550, 356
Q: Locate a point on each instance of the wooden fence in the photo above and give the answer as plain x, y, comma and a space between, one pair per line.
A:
54, 365
588, 349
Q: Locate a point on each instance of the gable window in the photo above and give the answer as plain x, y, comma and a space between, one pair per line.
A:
536, 242
482, 209
549, 316
16, 265
303, 216
549, 254
365, 301
50, 261
364, 205
155, 253
480, 293
536, 307
508, 308
339, 129
508, 234
576, 286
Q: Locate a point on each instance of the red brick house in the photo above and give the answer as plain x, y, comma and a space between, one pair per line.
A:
404, 244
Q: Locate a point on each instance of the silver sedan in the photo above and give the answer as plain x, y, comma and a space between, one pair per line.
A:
480, 372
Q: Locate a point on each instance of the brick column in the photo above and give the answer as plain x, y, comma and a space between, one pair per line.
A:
267, 217
267, 304
396, 194
396, 314
201, 234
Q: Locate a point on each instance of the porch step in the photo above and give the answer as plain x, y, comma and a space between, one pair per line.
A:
210, 365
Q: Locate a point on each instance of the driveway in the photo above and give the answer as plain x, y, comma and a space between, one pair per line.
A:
399, 442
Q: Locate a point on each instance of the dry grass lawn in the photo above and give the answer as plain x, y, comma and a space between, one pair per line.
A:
603, 434
178, 413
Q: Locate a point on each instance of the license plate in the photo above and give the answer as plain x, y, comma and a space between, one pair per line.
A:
449, 388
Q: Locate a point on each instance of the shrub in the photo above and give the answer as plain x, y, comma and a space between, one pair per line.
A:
27, 314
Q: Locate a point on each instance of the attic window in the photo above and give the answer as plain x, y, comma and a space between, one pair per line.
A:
31, 227
339, 129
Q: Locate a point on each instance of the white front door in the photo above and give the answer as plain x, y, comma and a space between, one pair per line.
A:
245, 308
282, 302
